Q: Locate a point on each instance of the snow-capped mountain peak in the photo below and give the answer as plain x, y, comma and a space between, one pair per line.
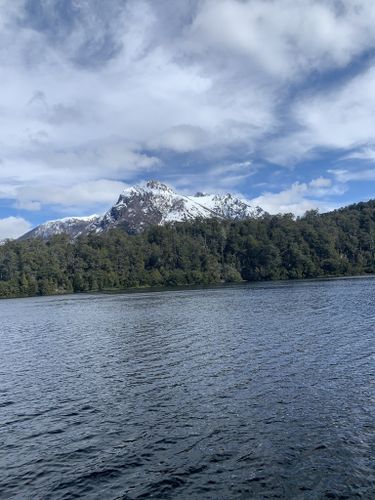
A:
150, 203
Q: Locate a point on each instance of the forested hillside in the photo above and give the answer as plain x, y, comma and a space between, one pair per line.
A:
338, 243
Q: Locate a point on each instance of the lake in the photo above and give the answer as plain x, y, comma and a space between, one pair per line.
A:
249, 391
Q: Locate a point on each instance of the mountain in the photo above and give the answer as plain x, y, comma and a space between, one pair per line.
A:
73, 226
155, 203
274, 247
147, 204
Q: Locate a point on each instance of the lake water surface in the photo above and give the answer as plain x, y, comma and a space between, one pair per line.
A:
250, 391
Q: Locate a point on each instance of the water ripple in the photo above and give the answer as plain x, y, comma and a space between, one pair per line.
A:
254, 391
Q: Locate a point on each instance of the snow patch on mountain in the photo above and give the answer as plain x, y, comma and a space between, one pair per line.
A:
73, 226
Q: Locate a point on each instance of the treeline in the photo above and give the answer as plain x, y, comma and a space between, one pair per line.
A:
205, 251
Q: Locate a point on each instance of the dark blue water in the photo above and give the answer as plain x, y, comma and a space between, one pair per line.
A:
254, 391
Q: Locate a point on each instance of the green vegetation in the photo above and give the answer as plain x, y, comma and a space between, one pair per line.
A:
339, 243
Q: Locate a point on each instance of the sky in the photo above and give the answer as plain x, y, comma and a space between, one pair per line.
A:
272, 100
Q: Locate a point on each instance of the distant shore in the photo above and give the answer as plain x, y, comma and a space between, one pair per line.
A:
196, 286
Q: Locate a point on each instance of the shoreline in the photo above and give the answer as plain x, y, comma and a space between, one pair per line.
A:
191, 286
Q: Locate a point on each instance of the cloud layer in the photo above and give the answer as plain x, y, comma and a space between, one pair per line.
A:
97, 95
13, 227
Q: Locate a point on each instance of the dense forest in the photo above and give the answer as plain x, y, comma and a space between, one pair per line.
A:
338, 243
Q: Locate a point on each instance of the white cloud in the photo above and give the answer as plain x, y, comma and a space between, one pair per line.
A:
367, 154
340, 119
215, 179
81, 197
345, 176
30, 205
182, 139
299, 197
286, 37
95, 93
320, 182
13, 227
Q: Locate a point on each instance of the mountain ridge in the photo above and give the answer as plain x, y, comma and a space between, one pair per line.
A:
146, 204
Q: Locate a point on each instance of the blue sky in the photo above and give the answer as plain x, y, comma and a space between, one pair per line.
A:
273, 100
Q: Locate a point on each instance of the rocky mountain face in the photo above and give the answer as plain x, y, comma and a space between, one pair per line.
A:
150, 203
